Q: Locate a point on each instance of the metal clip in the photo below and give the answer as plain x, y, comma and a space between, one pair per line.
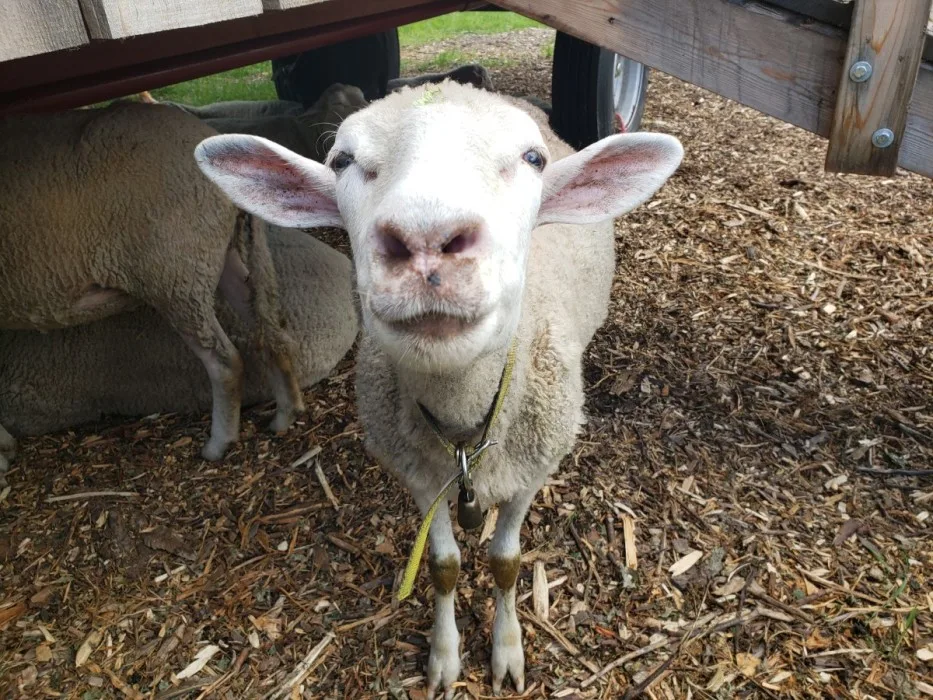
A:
469, 511
481, 447
463, 461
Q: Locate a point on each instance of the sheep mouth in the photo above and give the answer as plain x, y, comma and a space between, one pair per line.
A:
433, 325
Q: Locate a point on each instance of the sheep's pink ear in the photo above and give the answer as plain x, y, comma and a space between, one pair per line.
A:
608, 178
270, 181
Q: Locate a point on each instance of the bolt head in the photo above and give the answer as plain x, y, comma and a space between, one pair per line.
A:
860, 71
882, 138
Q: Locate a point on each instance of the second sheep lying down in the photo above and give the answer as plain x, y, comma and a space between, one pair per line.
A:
134, 364
105, 210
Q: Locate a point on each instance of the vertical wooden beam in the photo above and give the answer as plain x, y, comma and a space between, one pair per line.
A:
885, 39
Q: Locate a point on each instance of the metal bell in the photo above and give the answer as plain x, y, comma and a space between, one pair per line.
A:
469, 511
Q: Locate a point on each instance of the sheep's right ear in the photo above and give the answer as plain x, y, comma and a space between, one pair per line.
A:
270, 181
608, 178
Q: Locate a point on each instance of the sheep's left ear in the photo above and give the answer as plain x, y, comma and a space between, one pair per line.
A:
608, 178
270, 181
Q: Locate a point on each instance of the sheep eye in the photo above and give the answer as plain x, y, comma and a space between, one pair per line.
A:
341, 162
534, 159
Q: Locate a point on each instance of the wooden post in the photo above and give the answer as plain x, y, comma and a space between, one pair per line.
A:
885, 39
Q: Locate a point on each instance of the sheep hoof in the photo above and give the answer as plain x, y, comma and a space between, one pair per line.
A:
214, 449
282, 422
508, 659
7, 444
443, 671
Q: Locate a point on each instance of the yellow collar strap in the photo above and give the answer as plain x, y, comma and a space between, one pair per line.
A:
474, 461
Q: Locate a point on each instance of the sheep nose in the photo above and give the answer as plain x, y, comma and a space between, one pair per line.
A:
393, 245
398, 244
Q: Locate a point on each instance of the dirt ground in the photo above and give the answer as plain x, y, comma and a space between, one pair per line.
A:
746, 515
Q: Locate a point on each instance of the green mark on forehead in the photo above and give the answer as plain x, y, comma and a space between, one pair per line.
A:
431, 94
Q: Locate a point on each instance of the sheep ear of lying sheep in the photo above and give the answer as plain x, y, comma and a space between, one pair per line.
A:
469, 74
134, 364
104, 210
474, 230
310, 132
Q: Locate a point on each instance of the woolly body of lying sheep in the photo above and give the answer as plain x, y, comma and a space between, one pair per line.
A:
106, 210
134, 364
241, 109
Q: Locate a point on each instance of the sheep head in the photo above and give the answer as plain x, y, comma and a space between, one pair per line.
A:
440, 188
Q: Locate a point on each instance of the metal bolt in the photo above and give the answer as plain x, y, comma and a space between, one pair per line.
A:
860, 71
882, 138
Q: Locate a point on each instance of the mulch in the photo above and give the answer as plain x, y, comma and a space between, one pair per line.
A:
746, 515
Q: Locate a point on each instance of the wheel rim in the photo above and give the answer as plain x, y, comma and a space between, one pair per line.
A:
627, 77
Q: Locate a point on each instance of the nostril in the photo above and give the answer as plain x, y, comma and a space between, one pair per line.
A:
459, 243
394, 247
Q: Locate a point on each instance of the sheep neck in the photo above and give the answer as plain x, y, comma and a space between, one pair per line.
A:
459, 401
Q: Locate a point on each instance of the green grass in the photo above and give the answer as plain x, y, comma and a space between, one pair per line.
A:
255, 82
445, 26
246, 83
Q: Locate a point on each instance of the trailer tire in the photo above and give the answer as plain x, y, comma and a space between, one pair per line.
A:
590, 85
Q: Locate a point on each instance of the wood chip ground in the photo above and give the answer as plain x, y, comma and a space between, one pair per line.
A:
760, 411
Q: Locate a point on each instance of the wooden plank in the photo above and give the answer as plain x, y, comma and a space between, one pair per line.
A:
886, 36
755, 54
751, 53
29, 27
104, 70
118, 19
105, 56
287, 4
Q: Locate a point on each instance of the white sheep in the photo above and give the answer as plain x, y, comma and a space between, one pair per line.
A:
134, 364
104, 210
474, 230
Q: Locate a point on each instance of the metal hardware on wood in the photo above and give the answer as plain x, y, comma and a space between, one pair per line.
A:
882, 138
860, 71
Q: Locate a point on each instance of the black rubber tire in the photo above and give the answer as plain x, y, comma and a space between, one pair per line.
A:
582, 110
368, 62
